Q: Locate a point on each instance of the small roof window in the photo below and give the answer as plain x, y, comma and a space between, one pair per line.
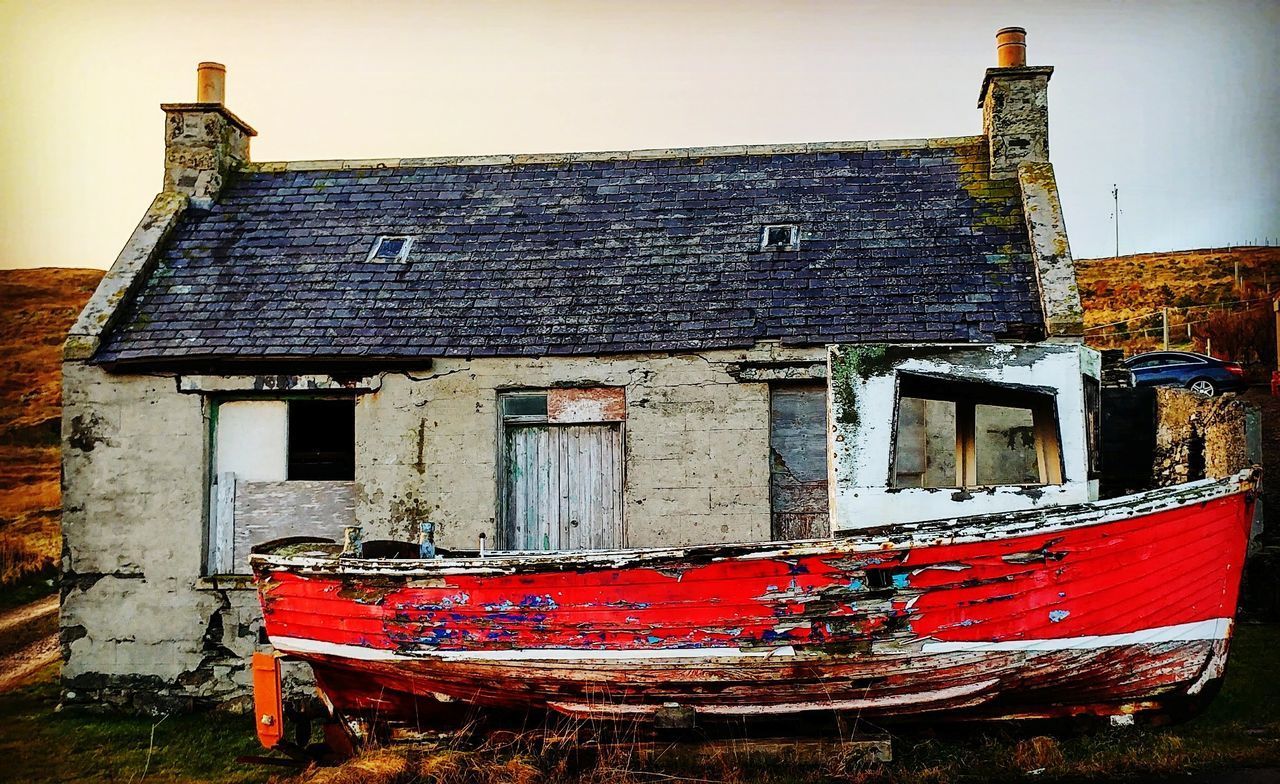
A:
390, 248
780, 237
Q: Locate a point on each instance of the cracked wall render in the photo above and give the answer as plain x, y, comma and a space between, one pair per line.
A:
696, 445
142, 629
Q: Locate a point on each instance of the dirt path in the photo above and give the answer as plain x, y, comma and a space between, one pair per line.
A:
28, 613
18, 667
28, 641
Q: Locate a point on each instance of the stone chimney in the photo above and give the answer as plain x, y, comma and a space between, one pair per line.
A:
1015, 106
203, 141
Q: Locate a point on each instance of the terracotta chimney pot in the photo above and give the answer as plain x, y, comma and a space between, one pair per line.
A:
1011, 47
211, 83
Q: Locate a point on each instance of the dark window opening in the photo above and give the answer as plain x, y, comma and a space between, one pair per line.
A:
322, 439
952, 433
390, 248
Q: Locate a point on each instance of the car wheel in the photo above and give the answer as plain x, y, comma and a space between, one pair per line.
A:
1202, 386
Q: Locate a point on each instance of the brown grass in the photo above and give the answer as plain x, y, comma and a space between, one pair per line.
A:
30, 509
1038, 753
1128, 286
380, 766
37, 307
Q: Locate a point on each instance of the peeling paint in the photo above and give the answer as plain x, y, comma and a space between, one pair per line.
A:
805, 624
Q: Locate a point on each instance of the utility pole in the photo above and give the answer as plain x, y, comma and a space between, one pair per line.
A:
1275, 306
1115, 195
1164, 312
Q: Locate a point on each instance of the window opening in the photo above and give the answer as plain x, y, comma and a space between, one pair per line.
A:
322, 440
1005, 445
780, 238
393, 248
967, 434
280, 467
926, 448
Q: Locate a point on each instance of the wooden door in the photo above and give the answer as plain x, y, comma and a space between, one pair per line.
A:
563, 487
798, 462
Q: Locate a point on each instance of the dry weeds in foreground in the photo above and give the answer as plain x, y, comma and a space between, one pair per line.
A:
521, 761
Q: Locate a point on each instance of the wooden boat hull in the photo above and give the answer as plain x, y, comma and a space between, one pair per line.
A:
1113, 608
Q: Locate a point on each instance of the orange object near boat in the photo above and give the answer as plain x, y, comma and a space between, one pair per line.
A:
268, 701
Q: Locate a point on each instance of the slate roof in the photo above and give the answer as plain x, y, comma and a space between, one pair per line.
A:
592, 256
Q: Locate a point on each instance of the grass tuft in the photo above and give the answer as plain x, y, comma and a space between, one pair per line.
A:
1038, 753
380, 766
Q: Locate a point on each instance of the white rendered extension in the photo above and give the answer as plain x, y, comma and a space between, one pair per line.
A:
861, 453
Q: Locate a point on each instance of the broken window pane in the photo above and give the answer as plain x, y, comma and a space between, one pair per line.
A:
322, 439
925, 453
1005, 446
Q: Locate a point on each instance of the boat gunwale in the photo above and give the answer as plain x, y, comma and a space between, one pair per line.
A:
963, 529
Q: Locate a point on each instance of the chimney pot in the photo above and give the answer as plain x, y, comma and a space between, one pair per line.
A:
211, 83
1011, 47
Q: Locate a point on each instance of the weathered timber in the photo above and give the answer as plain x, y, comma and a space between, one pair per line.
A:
1097, 609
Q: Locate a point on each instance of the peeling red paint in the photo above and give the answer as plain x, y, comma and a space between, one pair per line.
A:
1073, 616
587, 404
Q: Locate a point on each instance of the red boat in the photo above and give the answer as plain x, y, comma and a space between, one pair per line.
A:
1114, 608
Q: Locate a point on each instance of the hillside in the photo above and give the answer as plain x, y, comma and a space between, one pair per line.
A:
37, 307
1126, 287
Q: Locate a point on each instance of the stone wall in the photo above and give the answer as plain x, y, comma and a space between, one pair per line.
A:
1198, 437
142, 628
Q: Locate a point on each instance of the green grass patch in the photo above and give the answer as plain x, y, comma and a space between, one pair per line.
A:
40, 745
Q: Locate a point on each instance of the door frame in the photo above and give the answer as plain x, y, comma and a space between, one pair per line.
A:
502, 534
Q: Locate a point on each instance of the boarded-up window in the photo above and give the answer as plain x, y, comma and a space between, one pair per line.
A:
926, 449
964, 434
561, 483
280, 468
798, 462
1005, 445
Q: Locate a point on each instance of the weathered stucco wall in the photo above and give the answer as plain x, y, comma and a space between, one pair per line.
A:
134, 464
696, 442
141, 626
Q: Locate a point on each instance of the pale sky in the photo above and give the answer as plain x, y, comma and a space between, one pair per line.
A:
1176, 102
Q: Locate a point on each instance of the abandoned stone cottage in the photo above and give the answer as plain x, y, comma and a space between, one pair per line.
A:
561, 351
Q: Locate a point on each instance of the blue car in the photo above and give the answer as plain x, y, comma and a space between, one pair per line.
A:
1197, 372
